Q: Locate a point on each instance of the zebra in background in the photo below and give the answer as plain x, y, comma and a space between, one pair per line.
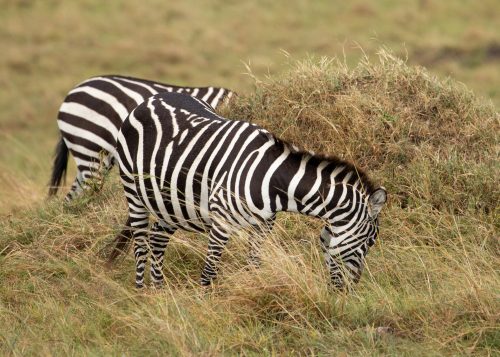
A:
91, 116
197, 171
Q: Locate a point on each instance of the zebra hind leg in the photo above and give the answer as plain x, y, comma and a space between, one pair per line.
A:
90, 176
140, 223
76, 187
159, 238
218, 238
256, 241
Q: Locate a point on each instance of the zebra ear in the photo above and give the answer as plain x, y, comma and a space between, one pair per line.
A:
376, 201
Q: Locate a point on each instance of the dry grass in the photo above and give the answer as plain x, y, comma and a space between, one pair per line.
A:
431, 141
431, 286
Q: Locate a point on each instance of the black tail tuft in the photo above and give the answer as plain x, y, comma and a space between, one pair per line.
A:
122, 242
59, 168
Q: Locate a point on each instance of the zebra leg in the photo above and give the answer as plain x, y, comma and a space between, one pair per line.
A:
140, 223
90, 175
256, 242
217, 241
76, 187
138, 217
158, 241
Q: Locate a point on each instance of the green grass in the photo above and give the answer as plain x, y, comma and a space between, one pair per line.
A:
432, 283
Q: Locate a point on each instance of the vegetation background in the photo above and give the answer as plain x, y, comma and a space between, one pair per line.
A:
432, 285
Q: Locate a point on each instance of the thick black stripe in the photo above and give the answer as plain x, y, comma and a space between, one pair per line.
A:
87, 125
113, 90
143, 92
77, 140
96, 105
84, 157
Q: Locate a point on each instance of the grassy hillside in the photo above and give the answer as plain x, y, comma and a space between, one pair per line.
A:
432, 283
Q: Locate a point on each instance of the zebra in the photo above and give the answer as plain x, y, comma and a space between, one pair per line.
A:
91, 116
197, 171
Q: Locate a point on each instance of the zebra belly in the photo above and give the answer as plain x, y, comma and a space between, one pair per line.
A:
171, 204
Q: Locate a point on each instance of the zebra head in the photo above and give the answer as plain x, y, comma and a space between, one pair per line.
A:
350, 232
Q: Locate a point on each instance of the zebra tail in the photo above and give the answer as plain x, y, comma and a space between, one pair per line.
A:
60, 167
121, 243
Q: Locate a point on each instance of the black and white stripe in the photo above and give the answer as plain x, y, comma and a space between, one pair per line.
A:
197, 171
91, 116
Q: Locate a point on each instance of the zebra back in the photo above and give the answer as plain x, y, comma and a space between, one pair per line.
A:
92, 114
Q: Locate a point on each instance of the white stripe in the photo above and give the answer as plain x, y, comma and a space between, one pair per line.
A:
168, 89
175, 174
88, 164
217, 98
279, 207
171, 109
118, 107
250, 177
125, 149
134, 95
267, 179
140, 160
236, 193
87, 135
294, 183
90, 115
149, 88
314, 189
152, 171
328, 198
209, 92
83, 150
166, 158
133, 199
204, 180
192, 171
128, 184
228, 149
183, 136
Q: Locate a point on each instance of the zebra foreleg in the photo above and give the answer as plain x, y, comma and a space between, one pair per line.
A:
217, 241
259, 234
160, 236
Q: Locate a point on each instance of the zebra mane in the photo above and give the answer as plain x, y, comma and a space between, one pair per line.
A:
359, 174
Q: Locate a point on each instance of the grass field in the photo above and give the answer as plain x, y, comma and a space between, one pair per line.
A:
430, 136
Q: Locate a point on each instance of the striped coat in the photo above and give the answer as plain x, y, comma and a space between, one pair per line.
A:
91, 116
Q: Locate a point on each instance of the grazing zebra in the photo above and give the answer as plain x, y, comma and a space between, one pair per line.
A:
91, 116
198, 171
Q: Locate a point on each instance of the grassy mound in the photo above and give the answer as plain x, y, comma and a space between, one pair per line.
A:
429, 141
431, 285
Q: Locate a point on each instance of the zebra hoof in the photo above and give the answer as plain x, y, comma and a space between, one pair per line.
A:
205, 283
158, 285
139, 286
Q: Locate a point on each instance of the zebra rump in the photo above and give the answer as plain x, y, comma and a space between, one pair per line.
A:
91, 116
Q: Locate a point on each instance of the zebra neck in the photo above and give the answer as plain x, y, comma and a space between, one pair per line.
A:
313, 185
